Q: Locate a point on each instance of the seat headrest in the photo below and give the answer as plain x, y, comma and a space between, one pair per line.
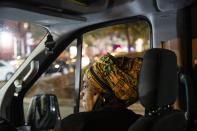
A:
158, 81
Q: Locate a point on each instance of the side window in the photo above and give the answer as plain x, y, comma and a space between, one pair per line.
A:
130, 39
59, 79
17, 40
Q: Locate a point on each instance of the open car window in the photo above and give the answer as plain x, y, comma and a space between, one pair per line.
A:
17, 40
130, 40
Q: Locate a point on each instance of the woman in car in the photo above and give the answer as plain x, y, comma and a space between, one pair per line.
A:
109, 87
111, 82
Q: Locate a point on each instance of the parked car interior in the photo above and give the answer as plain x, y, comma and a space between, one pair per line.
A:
46, 46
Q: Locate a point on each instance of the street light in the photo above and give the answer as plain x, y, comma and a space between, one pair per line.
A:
6, 39
25, 25
139, 45
85, 61
73, 51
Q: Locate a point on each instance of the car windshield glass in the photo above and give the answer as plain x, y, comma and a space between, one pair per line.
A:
17, 41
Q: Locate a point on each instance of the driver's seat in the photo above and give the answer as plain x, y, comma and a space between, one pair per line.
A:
158, 89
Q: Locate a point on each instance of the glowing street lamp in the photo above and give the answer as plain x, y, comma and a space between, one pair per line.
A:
139, 45
6, 39
85, 61
25, 25
73, 51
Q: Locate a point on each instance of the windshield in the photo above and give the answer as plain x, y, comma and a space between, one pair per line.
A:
17, 40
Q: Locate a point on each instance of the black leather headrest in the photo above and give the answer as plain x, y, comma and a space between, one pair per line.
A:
158, 82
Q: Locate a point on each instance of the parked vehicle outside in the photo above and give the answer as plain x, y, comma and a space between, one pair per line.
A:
6, 69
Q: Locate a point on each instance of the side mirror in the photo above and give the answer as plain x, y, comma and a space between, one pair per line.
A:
43, 112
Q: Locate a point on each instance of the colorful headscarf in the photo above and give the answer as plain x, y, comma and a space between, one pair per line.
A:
117, 76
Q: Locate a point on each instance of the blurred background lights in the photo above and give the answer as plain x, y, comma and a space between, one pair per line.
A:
6, 39
25, 25
139, 45
57, 66
73, 51
85, 61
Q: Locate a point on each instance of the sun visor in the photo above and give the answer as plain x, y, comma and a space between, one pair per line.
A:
71, 6
78, 6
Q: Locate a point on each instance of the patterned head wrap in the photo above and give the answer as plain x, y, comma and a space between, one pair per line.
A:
116, 76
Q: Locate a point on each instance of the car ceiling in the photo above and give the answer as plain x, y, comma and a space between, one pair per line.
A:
64, 22
60, 23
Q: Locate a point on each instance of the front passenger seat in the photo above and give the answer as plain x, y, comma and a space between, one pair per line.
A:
158, 89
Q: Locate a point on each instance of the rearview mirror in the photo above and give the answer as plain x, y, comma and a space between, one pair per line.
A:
43, 112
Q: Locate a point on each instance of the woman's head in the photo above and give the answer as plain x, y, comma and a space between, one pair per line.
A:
112, 81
